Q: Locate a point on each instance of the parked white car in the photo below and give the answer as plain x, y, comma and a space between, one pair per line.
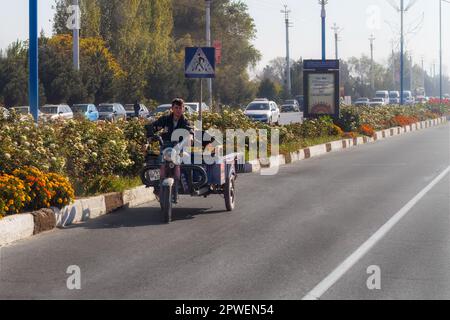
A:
111, 112
195, 106
263, 110
377, 102
55, 111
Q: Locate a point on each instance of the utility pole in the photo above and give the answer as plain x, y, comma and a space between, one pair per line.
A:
440, 52
411, 78
288, 59
394, 80
208, 44
76, 35
323, 16
423, 78
337, 31
434, 79
33, 59
402, 11
372, 39
402, 14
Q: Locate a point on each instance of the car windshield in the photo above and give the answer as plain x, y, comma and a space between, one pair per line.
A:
377, 100
106, 108
288, 108
80, 108
394, 95
49, 110
129, 107
258, 107
380, 95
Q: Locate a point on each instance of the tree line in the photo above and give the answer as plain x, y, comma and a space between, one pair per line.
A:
355, 78
134, 50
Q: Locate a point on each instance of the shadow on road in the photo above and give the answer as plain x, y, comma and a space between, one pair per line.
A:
138, 217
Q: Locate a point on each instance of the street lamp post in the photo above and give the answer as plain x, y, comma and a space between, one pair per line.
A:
440, 50
323, 16
208, 43
33, 60
288, 59
76, 36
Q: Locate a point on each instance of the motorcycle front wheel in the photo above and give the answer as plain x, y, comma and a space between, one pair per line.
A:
165, 200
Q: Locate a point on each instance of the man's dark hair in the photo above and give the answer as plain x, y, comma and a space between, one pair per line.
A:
178, 102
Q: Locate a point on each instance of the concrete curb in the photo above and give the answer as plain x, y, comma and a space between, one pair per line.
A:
90, 208
16, 227
22, 226
137, 196
339, 145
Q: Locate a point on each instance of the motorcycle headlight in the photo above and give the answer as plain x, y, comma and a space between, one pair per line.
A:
152, 175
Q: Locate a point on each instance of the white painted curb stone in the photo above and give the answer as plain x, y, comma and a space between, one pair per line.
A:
16, 227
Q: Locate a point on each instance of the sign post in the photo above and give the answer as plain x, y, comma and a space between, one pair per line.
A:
33, 60
321, 87
200, 63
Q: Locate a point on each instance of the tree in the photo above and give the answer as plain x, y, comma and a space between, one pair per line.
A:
14, 75
269, 89
95, 82
233, 26
138, 33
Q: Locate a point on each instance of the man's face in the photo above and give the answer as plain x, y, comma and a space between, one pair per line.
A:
178, 110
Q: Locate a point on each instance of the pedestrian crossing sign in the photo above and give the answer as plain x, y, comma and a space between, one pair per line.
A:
200, 62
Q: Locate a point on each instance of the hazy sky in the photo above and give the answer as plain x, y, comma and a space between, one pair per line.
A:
357, 18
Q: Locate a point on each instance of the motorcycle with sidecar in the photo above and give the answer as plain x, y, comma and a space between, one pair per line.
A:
171, 177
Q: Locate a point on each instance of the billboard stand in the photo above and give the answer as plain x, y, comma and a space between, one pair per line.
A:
321, 87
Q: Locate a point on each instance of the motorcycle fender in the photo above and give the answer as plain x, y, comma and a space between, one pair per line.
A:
169, 182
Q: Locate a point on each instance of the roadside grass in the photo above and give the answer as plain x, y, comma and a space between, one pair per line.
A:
107, 185
287, 148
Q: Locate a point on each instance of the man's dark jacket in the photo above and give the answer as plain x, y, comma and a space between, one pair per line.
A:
166, 124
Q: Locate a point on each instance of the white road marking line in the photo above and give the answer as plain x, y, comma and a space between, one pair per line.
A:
337, 273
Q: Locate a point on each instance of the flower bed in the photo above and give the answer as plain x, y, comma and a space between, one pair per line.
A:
31, 189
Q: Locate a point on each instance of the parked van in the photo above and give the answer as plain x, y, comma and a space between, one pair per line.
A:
394, 97
383, 94
408, 98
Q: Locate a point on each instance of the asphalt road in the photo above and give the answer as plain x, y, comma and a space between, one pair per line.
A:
289, 232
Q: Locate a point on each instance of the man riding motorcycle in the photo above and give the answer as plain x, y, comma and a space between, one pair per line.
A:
169, 123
